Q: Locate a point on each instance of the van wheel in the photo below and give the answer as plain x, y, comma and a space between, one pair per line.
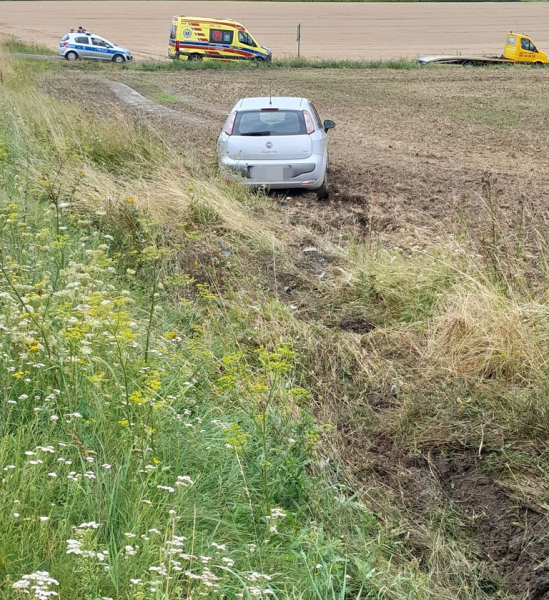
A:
118, 59
257, 59
195, 58
72, 56
322, 192
537, 65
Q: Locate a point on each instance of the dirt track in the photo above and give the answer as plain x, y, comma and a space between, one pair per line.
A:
329, 30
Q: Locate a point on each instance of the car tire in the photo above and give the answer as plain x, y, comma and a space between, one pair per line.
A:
322, 191
195, 58
71, 56
118, 59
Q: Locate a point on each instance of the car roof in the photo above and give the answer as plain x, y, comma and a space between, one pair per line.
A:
274, 102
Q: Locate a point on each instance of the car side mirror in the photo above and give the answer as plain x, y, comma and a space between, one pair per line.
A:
328, 125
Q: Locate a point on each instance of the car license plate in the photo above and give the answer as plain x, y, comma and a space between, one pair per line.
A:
268, 173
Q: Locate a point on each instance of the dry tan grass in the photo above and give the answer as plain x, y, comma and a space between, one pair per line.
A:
478, 331
5, 67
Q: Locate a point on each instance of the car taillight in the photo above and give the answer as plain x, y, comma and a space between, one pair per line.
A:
230, 123
63, 44
309, 122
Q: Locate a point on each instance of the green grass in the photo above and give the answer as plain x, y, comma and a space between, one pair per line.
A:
19, 46
178, 65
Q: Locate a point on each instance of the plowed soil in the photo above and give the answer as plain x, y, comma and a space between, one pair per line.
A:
370, 30
416, 154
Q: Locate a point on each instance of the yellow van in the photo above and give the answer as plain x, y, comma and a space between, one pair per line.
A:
198, 38
520, 48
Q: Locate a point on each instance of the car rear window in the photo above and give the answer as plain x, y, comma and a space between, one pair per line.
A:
270, 122
65, 37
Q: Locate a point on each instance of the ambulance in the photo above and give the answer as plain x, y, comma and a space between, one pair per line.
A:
198, 38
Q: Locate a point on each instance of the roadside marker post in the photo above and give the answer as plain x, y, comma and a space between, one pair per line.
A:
298, 38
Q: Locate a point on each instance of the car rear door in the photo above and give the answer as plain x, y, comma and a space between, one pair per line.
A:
83, 47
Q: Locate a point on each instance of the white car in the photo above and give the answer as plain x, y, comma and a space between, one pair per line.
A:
88, 45
276, 143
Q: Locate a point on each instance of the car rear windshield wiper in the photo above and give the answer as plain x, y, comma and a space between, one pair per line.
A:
257, 133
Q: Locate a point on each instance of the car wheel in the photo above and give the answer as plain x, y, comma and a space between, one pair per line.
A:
258, 59
195, 58
118, 59
72, 56
322, 192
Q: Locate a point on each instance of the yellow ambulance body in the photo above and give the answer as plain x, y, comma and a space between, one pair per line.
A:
198, 38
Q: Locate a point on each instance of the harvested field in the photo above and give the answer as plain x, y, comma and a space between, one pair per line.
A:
371, 30
416, 154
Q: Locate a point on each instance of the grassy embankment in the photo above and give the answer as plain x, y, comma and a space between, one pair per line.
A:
162, 409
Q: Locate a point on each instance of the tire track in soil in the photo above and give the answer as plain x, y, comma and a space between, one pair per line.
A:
135, 100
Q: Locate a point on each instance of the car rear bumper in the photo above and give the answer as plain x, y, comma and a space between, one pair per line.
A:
277, 174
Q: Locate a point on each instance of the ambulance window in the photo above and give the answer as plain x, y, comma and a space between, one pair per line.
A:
219, 36
244, 38
512, 40
173, 32
81, 40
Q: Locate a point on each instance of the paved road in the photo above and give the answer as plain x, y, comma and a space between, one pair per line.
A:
329, 30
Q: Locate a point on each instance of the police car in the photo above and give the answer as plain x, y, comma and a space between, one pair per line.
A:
88, 45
